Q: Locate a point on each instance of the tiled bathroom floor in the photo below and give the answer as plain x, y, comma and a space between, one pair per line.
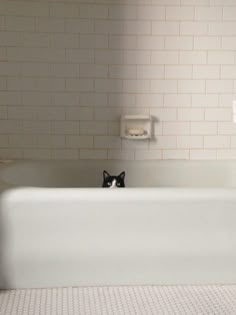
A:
137, 300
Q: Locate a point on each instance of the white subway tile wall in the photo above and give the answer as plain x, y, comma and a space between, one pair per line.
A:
70, 68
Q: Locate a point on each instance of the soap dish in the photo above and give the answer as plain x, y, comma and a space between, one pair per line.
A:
135, 127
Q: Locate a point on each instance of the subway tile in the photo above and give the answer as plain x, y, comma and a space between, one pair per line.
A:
203, 154
148, 42
107, 142
193, 28
191, 86
79, 85
93, 154
10, 68
177, 100
226, 128
182, 13
28, 39
36, 127
148, 155
36, 113
65, 127
93, 11
33, 98
70, 69
206, 72
79, 113
176, 128
207, 43
205, 100
192, 57
119, 12
190, 114
221, 57
64, 10
10, 38
178, 72
23, 141
109, 27
203, 128
93, 99
114, 154
93, 128
136, 86
222, 28
50, 141
30, 54
218, 114
228, 42
18, 23
10, 127
37, 154
137, 57
109, 85
226, 154
24, 8
4, 141
64, 40
189, 142
137, 27
228, 72
179, 43
79, 26
3, 112
150, 12
163, 86
163, 142
107, 57
107, 113
76, 141
80, 55
137, 145
176, 154
91, 41
219, 86
11, 153
165, 28
217, 142
149, 100
225, 100
93, 71
65, 154
164, 114
229, 13
208, 13
165, 57
123, 72
123, 41
50, 25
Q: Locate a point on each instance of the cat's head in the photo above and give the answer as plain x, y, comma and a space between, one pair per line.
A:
111, 181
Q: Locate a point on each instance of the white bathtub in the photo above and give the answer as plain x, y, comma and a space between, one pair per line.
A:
180, 228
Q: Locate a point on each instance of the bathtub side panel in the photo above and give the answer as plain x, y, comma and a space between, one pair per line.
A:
73, 241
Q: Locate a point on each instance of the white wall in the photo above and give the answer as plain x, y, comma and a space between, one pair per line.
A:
69, 69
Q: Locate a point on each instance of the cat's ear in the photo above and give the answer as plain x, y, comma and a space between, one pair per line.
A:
122, 175
105, 174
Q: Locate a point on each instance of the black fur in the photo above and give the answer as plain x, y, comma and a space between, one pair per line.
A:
108, 180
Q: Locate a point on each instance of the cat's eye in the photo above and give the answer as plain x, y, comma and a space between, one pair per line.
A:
109, 184
118, 184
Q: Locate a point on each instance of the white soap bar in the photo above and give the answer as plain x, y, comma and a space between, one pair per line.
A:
136, 132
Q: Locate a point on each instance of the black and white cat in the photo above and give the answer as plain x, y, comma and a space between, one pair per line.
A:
111, 181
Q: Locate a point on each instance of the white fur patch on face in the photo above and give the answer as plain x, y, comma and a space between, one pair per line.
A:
113, 185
